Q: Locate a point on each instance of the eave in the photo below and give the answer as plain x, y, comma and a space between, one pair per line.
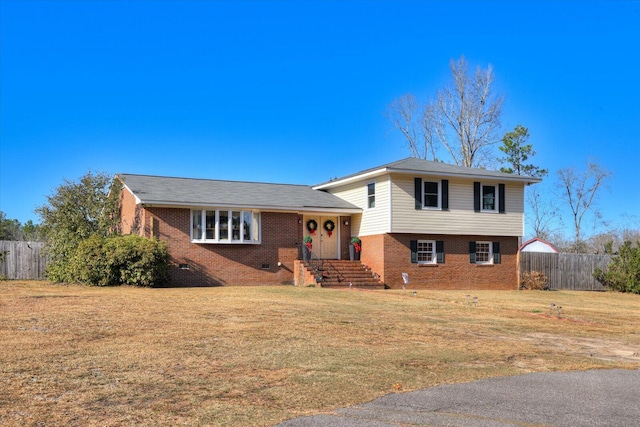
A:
527, 180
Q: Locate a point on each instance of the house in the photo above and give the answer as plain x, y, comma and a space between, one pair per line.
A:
446, 226
537, 245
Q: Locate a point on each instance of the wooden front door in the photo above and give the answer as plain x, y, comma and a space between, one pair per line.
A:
325, 242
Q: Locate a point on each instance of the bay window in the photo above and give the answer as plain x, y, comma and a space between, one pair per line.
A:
225, 226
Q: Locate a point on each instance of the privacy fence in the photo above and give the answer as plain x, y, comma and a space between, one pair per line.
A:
22, 260
566, 271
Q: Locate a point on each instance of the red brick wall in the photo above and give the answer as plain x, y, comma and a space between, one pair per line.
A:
228, 264
129, 213
389, 255
345, 236
373, 254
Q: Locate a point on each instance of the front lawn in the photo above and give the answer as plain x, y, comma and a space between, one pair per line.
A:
242, 356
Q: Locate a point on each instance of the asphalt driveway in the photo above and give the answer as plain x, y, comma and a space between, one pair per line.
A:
589, 398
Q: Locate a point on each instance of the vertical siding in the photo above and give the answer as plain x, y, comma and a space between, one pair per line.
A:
460, 218
564, 270
23, 260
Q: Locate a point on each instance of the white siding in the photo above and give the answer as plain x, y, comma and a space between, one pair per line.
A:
371, 221
460, 219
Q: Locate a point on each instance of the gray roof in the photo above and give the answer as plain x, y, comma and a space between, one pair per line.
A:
412, 165
168, 191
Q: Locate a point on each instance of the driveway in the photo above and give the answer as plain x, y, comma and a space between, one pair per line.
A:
589, 398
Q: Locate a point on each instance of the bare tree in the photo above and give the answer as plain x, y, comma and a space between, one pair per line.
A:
579, 190
408, 116
544, 215
464, 118
472, 111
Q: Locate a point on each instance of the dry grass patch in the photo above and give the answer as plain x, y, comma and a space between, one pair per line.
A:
75, 355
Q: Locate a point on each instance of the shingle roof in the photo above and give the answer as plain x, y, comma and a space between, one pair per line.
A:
159, 190
420, 166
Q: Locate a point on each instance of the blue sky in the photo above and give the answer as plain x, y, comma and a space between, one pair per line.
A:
294, 91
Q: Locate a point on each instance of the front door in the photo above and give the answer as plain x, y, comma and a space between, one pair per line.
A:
324, 232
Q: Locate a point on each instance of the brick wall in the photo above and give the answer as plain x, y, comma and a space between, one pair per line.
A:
345, 235
373, 254
390, 255
303, 277
227, 264
129, 213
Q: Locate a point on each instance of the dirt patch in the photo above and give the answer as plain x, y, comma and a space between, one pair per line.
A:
598, 348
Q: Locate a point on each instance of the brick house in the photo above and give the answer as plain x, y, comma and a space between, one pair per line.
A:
446, 226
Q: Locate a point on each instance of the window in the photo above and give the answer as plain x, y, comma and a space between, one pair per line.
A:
489, 199
427, 251
484, 252
196, 224
431, 194
225, 226
371, 195
210, 220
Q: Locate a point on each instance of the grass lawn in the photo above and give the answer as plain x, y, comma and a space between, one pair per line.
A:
254, 356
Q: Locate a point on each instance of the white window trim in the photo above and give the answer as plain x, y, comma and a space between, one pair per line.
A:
434, 255
496, 201
490, 261
367, 195
255, 216
424, 204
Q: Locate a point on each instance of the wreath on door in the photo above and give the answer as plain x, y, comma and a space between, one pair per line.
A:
329, 226
312, 226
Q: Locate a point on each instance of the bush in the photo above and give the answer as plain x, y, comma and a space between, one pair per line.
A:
535, 281
90, 265
623, 273
118, 260
139, 261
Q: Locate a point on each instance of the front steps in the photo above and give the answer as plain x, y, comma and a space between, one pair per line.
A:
344, 274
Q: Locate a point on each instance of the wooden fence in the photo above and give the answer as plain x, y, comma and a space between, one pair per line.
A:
22, 260
566, 271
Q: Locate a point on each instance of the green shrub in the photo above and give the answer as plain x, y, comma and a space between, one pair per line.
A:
117, 260
623, 273
90, 264
139, 261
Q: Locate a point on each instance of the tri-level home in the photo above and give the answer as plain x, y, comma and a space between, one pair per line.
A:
439, 226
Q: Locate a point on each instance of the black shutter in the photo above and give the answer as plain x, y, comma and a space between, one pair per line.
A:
440, 251
445, 194
472, 252
417, 188
496, 253
476, 197
501, 208
414, 251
